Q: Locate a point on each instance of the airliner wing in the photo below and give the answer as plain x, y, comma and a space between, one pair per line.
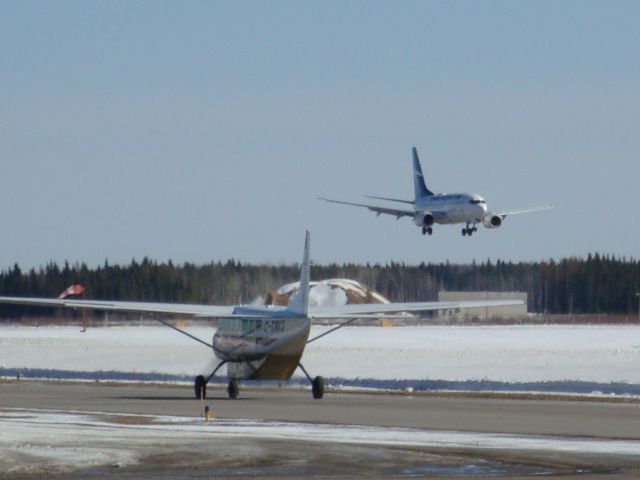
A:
380, 309
136, 307
379, 210
410, 202
523, 210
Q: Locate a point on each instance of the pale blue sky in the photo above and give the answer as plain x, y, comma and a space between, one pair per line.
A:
205, 130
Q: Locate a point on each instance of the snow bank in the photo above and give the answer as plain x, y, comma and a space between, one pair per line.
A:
334, 292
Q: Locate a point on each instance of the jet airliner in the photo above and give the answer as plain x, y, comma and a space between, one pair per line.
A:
428, 208
263, 342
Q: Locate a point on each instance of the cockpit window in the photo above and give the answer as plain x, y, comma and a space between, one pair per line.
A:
476, 202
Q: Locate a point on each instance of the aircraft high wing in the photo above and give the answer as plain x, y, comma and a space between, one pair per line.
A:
262, 342
217, 311
356, 311
376, 310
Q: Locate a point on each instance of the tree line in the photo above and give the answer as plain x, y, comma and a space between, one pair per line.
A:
596, 284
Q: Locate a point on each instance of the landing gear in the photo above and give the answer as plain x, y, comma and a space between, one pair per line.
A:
200, 387
317, 384
468, 230
200, 384
317, 388
426, 230
233, 389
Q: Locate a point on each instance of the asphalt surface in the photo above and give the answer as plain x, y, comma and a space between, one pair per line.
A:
602, 419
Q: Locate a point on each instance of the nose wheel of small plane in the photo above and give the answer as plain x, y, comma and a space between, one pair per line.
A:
426, 230
233, 389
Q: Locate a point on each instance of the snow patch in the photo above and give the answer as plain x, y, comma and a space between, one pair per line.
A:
22, 432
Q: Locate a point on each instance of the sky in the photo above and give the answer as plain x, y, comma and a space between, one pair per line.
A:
204, 131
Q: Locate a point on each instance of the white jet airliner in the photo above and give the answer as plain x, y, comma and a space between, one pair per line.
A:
444, 208
263, 342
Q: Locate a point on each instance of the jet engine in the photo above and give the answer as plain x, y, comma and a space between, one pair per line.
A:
423, 219
492, 221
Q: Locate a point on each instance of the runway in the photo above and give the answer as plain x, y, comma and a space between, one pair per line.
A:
134, 431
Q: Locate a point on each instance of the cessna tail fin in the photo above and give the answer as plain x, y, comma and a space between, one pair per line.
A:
418, 179
300, 303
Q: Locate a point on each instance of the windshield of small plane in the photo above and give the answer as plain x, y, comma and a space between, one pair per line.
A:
249, 326
477, 201
237, 326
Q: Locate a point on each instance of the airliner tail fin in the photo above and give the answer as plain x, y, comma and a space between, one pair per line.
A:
421, 189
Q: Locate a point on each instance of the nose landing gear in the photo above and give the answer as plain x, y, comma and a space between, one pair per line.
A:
233, 389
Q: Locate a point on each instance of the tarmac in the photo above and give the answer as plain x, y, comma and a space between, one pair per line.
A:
160, 431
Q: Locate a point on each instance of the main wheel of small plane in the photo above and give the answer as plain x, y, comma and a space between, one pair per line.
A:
233, 389
317, 388
200, 387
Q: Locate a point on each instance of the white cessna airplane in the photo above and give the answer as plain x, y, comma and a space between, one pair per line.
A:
262, 342
444, 208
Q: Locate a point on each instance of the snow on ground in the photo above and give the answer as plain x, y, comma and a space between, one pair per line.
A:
601, 354
503, 353
153, 348
333, 292
86, 439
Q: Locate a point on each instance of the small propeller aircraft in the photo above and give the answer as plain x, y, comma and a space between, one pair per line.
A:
260, 342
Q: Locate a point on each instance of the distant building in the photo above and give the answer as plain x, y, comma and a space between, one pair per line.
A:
485, 313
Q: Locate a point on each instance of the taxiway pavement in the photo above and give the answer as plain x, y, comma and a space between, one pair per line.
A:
550, 421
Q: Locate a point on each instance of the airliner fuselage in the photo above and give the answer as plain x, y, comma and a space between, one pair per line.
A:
453, 207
